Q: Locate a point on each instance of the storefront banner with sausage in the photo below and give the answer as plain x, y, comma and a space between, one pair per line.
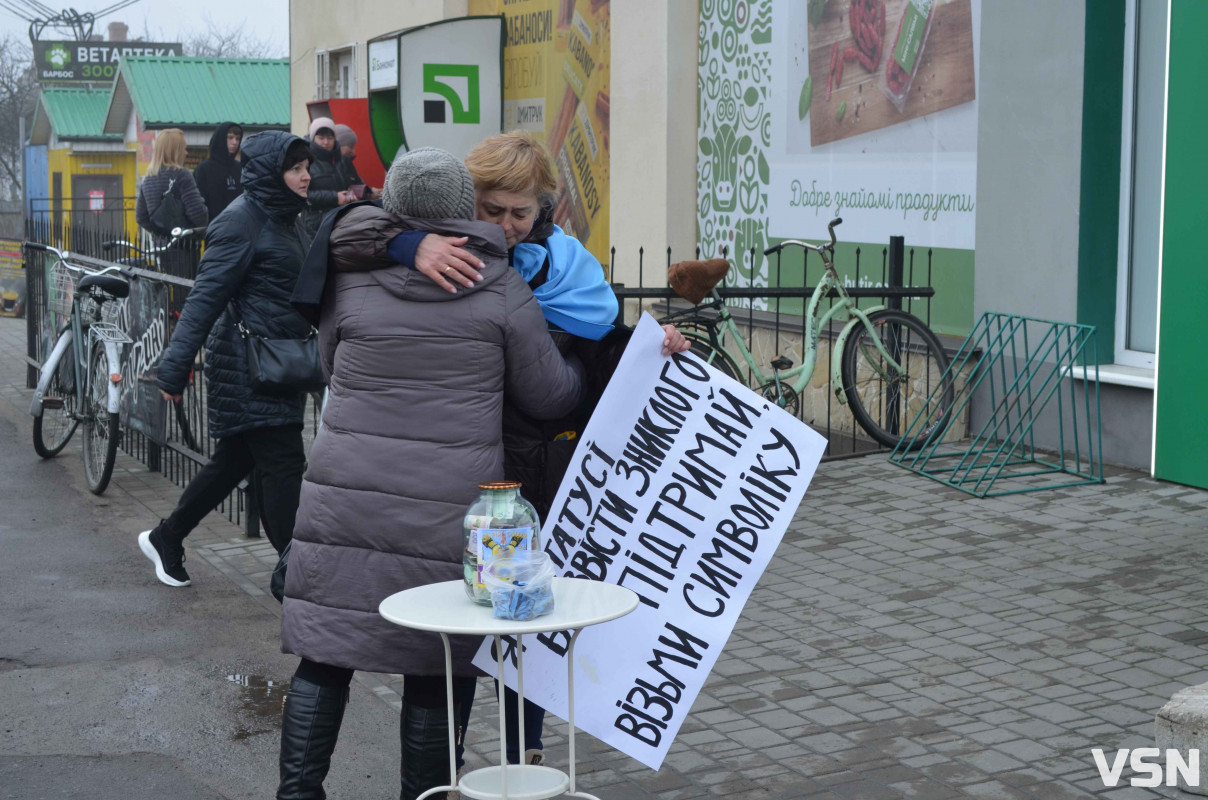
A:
556, 85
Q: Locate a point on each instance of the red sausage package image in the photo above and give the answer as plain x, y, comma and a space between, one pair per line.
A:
907, 53
876, 63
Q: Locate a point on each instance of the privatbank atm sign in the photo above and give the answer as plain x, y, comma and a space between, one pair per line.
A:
91, 62
450, 82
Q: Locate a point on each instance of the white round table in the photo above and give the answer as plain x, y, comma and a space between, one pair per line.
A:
445, 609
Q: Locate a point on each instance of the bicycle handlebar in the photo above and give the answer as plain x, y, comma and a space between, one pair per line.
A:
64, 255
830, 228
89, 271
45, 248
178, 234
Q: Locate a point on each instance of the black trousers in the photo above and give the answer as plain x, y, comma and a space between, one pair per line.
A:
279, 458
425, 691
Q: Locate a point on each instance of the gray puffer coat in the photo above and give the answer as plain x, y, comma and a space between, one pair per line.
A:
413, 424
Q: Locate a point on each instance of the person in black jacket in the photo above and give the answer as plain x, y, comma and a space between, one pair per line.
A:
166, 174
218, 177
254, 251
346, 140
328, 184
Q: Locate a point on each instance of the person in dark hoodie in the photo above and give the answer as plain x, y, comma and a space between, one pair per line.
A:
254, 252
218, 177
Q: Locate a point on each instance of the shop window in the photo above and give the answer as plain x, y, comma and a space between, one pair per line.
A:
1142, 148
338, 73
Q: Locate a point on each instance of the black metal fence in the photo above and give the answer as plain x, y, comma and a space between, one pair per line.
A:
893, 276
180, 443
900, 278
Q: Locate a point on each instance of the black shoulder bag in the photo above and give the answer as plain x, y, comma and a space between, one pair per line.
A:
170, 213
281, 366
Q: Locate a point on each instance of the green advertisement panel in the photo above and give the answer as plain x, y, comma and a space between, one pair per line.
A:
1180, 437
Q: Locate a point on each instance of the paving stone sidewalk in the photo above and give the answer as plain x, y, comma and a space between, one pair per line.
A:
906, 640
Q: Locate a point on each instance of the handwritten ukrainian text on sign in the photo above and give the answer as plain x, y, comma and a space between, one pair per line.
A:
681, 490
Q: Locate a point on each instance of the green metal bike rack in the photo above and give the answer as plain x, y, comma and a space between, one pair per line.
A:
1023, 374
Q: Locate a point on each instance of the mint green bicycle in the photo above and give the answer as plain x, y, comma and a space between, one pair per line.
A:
892, 367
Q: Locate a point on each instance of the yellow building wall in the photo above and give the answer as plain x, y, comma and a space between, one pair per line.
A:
69, 163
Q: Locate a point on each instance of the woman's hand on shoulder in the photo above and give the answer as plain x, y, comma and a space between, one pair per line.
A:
443, 260
674, 341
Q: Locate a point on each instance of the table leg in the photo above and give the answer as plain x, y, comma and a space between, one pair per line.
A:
449, 700
520, 693
570, 714
570, 702
452, 787
503, 745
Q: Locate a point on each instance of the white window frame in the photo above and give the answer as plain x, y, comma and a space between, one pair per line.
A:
322, 75
1124, 356
329, 82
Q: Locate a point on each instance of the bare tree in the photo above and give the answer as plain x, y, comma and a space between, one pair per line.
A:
17, 96
227, 41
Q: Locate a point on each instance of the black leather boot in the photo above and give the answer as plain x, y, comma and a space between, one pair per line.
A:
310, 725
425, 749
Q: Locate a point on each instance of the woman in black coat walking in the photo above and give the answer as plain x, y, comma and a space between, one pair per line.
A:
254, 251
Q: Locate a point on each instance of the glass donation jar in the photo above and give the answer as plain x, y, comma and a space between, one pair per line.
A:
499, 522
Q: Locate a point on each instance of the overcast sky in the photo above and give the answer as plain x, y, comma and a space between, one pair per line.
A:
172, 20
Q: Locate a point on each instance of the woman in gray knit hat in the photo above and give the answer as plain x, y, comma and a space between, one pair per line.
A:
514, 178
412, 426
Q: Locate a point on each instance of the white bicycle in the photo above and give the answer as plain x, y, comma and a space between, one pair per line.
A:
80, 381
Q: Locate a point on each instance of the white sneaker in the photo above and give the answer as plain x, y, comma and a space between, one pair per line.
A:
534, 757
169, 564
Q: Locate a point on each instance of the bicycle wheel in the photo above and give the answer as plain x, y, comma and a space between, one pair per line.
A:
718, 359
884, 404
54, 427
100, 427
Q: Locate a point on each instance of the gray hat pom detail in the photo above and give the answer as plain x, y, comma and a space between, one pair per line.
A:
429, 183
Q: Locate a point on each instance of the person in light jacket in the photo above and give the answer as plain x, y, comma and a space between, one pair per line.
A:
413, 424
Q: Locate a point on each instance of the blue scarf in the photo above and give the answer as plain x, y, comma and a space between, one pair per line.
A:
575, 297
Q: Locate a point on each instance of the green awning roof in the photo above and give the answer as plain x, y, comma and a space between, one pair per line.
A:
180, 91
71, 114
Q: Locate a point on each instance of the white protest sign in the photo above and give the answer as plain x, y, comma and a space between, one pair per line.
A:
681, 490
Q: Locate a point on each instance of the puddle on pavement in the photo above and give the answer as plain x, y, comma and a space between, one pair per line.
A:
262, 698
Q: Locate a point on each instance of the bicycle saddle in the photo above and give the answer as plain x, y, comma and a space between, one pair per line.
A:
693, 280
780, 362
113, 285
